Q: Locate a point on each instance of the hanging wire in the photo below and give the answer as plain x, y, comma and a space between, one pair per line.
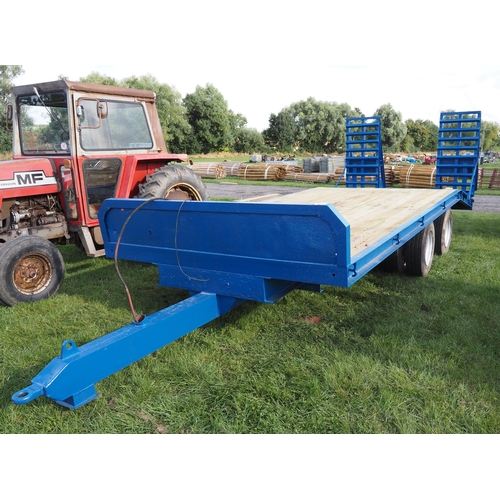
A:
140, 317
176, 249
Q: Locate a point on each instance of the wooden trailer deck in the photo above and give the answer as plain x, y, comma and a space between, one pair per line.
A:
372, 213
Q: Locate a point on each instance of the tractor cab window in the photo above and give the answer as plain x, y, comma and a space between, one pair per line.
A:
112, 125
43, 123
101, 178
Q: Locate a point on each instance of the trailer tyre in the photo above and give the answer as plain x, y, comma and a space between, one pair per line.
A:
396, 262
174, 183
31, 269
444, 229
420, 252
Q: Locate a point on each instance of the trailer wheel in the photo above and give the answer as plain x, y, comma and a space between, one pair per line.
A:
31, 269
174, 183
421, 251
444, 229
396, 262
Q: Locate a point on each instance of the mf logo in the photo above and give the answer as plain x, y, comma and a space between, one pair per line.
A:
26, 179
29, 178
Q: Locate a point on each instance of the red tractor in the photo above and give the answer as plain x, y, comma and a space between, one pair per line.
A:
74, 145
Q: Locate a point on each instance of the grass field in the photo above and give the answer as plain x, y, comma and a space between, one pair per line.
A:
391, 354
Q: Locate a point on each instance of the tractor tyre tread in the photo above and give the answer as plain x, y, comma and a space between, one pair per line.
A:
159, 184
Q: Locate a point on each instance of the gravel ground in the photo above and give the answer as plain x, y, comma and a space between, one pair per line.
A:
485, 203
482, 203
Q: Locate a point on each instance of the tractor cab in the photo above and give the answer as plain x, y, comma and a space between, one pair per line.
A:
87, 131
74, 145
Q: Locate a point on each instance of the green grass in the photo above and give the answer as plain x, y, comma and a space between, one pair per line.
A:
391, 354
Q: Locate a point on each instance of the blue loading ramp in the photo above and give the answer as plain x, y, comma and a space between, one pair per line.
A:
459, 147
364, 162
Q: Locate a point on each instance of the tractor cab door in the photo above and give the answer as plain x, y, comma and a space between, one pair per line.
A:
109, 128
100, 178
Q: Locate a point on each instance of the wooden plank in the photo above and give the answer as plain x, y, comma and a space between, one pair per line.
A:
372, 213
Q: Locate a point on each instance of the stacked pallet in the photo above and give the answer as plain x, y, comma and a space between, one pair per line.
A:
209, 170
303, 177
311, 165
262, 172
323, 164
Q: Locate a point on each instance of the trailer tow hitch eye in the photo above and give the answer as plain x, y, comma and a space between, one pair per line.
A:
28, 394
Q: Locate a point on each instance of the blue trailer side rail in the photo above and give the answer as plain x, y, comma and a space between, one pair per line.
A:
250, 250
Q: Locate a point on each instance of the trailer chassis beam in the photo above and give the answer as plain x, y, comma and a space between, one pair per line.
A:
69, 379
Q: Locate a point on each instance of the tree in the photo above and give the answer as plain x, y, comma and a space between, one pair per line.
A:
321, 125
407, 144
432, 144
490, 133
8, 73
209, 117
248, 140
421, 136
281, 132
315, 123
393, 128
238, 132
96, 77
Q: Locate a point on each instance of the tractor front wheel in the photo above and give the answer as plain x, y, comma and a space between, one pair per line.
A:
31, 269
174, 183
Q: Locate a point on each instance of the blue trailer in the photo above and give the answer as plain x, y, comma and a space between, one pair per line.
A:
225, 253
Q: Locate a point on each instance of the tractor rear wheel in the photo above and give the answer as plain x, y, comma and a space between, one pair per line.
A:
174, 183
31, 269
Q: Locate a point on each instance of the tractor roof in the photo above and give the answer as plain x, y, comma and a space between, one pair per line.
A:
147, 95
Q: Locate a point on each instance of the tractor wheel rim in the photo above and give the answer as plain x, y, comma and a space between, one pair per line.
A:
32, 274
182, 191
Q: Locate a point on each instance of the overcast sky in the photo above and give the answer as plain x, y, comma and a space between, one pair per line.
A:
264, 55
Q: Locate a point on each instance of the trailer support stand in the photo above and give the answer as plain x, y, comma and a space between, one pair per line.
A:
69, 379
